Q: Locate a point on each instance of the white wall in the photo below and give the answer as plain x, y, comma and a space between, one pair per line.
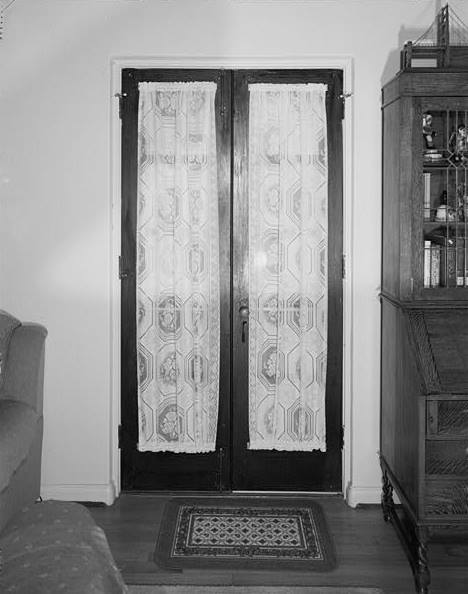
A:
55, 180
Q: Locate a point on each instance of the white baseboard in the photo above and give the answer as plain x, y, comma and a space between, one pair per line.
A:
357, 495
105, 493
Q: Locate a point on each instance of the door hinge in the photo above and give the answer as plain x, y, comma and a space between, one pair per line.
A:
343, 98
221, 454
222, 99
123, 272
343, 266
341, 437
121, 97
119, 437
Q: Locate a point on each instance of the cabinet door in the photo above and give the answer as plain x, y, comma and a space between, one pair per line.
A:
441, 199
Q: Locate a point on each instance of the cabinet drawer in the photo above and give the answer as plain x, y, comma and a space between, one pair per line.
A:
447, 457
445, 498
447, 418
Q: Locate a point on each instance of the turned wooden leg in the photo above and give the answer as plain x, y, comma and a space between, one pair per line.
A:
422, 573
387, 497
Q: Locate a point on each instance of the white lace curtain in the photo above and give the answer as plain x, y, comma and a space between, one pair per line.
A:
287, 266
177, 275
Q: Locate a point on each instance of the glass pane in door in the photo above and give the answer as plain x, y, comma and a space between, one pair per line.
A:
288, 223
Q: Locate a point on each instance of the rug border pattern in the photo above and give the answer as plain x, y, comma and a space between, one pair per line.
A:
169, 550
307, 528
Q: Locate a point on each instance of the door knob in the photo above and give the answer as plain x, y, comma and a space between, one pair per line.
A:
244, 315
244, 311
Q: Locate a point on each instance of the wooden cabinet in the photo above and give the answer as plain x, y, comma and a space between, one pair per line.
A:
424, 386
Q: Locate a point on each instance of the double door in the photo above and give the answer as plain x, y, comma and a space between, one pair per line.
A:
233, 466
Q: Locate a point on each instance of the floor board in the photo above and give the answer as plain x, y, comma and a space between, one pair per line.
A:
368, 551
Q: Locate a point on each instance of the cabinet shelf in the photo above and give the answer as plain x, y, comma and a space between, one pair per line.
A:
445, 163
432, 225
447, 436
441, 164
448, 478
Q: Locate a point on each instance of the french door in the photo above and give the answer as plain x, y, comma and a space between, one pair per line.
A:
233, 466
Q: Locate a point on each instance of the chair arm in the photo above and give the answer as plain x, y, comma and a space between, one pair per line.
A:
24, 372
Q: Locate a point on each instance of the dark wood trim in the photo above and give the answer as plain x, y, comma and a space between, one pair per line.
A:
240, 242
406, 529
289, 470
441, 305
129, 147
425, 83
148, 470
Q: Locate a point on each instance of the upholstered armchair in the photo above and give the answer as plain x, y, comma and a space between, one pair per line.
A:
21, 422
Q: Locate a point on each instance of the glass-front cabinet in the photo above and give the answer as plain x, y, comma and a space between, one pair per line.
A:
444, 188
424, 297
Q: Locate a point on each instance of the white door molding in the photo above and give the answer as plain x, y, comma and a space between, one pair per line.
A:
344, 63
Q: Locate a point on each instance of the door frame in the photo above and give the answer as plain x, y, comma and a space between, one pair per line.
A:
344, 63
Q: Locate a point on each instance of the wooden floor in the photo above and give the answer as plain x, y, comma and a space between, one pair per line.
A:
368, 551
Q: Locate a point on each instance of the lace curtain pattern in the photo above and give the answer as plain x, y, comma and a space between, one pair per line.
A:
288, 194
177, 268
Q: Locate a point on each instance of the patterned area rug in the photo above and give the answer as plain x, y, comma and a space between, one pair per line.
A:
241, 533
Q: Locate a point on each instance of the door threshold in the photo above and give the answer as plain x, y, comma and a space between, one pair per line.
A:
174, 493
182, 492
288, 493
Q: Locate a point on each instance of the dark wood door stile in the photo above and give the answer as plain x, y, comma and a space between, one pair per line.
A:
148, 470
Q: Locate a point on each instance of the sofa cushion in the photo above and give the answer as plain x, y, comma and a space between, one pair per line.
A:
7, 325
56, 546
18, 425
